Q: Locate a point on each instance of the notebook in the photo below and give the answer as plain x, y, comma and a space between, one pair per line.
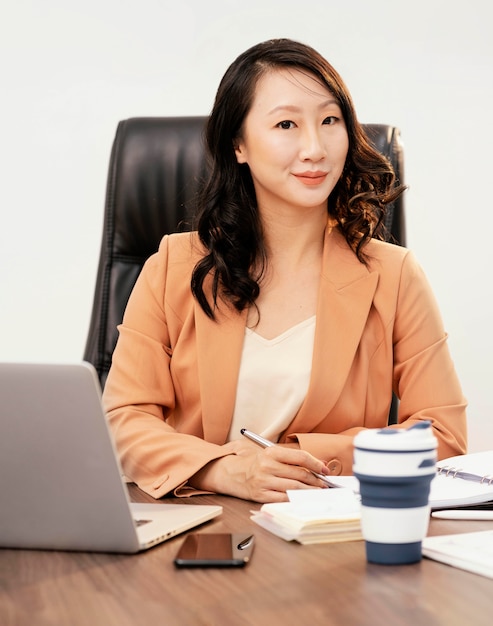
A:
313, 516
61, 484
463, 480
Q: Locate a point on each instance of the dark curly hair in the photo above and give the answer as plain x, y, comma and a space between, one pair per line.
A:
228, 221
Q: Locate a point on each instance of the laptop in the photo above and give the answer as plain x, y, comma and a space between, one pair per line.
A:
61, 484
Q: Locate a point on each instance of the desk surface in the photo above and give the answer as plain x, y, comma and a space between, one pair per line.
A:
285, 583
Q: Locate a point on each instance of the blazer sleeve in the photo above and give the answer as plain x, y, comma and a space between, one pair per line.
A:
423, 378
139, 394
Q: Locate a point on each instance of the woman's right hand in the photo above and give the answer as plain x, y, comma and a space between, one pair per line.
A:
260, 474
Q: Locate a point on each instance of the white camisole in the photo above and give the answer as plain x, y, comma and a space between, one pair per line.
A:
273, 380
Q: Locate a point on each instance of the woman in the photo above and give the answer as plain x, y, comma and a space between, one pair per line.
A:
283, 313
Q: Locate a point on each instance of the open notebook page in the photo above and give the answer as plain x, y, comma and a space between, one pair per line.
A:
448, 490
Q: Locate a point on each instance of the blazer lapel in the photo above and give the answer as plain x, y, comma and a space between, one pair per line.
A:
344, 301
219, 348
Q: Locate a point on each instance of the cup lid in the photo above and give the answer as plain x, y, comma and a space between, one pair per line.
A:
419, 436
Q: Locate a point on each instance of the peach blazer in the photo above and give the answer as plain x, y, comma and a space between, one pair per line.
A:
170, 393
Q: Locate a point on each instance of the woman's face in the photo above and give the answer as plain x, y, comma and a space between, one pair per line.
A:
294, 140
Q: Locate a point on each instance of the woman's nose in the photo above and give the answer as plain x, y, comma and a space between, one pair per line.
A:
312, 147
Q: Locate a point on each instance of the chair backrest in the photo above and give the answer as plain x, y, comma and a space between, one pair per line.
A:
155, 167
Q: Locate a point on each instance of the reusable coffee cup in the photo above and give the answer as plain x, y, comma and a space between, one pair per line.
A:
395, 468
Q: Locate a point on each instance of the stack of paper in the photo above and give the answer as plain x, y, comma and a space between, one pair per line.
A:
313, 516
469, 551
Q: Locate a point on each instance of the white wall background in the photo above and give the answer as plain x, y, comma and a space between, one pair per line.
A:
71, 70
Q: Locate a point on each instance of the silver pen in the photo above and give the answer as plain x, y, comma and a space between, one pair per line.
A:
464, 514
265, 443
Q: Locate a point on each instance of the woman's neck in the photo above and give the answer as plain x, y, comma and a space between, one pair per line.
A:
294, 240
290, 280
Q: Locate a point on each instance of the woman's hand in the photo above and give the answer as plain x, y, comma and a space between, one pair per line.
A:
260, 474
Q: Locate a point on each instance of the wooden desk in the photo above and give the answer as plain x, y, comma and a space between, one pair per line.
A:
285, 583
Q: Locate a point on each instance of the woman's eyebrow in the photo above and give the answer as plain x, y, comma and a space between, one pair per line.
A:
295, 109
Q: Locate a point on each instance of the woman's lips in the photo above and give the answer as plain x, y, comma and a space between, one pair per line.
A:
311, 178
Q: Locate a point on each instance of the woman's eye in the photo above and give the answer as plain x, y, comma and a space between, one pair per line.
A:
286, 124
332, 119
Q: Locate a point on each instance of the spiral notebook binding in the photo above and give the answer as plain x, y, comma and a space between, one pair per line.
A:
456, 472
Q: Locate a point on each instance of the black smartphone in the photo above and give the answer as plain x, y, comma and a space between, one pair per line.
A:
215, 550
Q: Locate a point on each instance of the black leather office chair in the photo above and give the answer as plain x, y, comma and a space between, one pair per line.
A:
155, 166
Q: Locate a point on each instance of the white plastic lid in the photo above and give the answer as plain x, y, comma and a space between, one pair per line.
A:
417, 437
